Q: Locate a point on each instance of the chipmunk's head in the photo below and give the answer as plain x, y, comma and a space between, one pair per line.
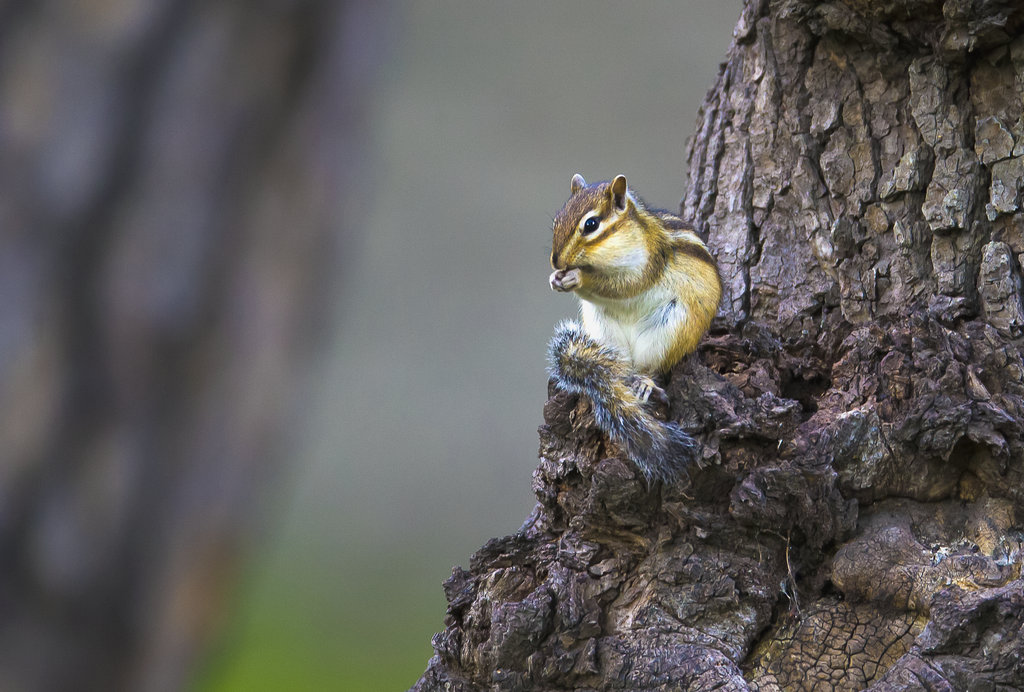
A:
598, 231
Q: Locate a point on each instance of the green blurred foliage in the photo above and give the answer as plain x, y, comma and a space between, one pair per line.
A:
298, 633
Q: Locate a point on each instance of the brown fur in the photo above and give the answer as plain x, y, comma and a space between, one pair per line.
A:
636, 250
590, 198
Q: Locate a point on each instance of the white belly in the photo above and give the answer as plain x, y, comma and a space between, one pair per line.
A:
642, 327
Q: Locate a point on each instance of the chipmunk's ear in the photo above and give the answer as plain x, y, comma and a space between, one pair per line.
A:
618, 192
577, 183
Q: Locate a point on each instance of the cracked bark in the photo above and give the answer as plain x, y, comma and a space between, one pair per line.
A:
171, 180
857, 168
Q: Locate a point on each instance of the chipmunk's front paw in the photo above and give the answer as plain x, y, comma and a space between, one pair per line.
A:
564, 280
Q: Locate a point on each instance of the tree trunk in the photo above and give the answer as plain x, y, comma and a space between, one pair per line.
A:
857, 524
172, 181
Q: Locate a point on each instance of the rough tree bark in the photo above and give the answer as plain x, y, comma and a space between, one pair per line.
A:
175, 178
858, 167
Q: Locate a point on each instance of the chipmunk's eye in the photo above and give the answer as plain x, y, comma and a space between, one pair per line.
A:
591, 224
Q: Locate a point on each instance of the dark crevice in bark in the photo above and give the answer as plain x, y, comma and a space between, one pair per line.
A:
704, 157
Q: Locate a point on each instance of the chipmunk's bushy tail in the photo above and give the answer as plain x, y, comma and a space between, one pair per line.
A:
580, 365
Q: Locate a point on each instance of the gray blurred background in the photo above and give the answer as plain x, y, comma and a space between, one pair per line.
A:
419, 439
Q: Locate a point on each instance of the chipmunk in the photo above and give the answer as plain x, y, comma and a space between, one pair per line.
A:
648, 290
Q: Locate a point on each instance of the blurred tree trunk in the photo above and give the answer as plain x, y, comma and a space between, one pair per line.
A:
177, 183
858, 169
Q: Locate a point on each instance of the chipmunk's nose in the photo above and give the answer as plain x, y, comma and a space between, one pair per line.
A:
554, 260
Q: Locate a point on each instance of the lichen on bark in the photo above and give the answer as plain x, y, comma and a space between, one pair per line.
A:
859, 517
